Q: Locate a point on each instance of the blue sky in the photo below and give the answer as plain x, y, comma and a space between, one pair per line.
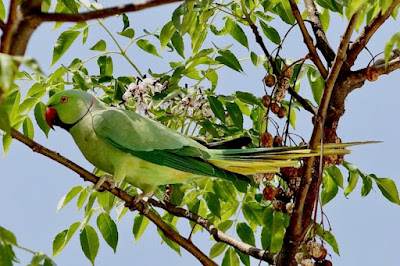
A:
365, 228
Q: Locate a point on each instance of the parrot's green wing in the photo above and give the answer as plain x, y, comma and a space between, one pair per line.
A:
156, 143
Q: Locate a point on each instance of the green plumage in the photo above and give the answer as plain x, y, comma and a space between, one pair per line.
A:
148, 154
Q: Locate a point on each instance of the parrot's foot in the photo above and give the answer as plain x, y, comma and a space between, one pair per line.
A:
144, 197
104, 178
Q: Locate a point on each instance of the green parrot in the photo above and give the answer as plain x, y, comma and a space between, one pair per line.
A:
148, 154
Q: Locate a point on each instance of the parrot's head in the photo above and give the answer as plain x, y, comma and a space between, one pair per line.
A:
66, 108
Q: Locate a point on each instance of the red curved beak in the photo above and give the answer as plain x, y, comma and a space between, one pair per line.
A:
51, 115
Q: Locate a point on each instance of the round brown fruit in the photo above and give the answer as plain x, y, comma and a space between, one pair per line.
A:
266, 100
282, 112
288, 72
266, 139
278, 140
269, 80
269, 193
274, 108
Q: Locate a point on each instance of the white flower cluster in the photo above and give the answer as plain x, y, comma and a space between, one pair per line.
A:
190, 102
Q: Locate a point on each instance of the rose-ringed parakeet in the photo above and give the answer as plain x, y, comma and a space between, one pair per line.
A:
148, 154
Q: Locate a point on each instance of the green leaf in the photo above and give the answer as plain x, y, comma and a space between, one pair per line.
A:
63, 43
270, 32
7, 70
7, 236
99, 46
85, 35
174, 246
166, 34
235, 114
353, 177
210, 128
139, 226
70, 195
178, 15
105, 64
336, 174
257, 60
217, 249
245, 233
177, 42
244, 258
106, 201
125, 20
225, 225
148, 47
82, 198
353, 7
217, 108
108, 229
236, 32
213, 203
388, 188
7, 139
4, 116
317, 83
328, 237
248, 98
253, 212
325, 17
27, 127
284, 10
230, 258
89, 243
2, 11
128, 33
390, 45
224, 190
58, 242
71, 5
367, 185
229, 59
329, 189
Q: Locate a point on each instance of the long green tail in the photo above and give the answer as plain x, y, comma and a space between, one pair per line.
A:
269, 160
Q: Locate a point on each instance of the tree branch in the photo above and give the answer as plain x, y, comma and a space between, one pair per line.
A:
308, 40
359, 44
322, 41
103, 13
305, 199
9, 27
215, 232
130, 202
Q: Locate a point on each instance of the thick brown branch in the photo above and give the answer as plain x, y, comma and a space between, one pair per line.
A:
359, 44
2, 25
103, 13
322, 41
305, 198
12, 22
308, 40
87, 176
215, 232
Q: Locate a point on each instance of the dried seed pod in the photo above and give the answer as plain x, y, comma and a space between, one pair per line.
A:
274, 108
288, 72
324, 263
269, 80
315, 249
289, 208
282, 112
283, 83
289, 193
278, 205
266, 100
258, 177
278, 140
266, 139
307, 262
269, 176
269, 193
280, 95
372, 74
324, 252
289, 172
302, 143
299, 257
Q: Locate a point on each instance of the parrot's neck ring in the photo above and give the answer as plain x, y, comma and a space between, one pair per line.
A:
66, 126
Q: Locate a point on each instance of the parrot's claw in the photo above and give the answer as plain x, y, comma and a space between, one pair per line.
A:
104, 178
144, 197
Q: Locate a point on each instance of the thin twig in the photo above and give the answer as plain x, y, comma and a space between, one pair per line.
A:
308, 40
103, 13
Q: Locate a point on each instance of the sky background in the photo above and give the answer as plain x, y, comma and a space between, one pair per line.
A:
366, 228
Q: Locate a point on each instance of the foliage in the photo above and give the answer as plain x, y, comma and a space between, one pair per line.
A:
186, 97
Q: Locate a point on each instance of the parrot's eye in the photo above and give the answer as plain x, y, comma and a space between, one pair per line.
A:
64, 99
